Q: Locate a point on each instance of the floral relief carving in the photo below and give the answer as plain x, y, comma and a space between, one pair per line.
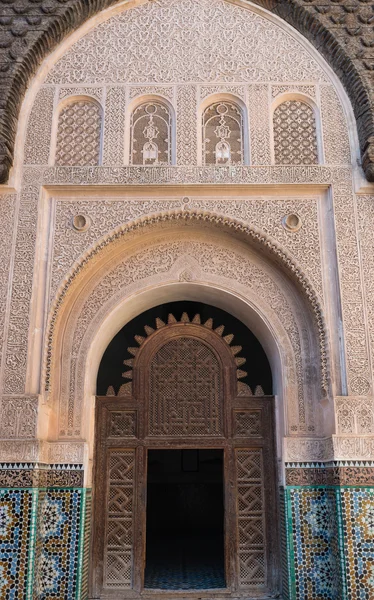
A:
18, 417
259, 124
355, 415
353, 301
167, 91
22, 282
335, 128
164, 218
186, 125
114, 126
261, 52
303, 248
265, 212
39, 128
236, 90
308, 90
93, 92
366, 222
7, 210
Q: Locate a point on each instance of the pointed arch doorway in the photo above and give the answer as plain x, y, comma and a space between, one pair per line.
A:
185, 475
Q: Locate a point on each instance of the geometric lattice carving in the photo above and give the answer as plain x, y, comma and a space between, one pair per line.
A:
295, 136
79, 134
247, 423
185, 390
151, 134
251, 517
122, 424
223, 134
119, 533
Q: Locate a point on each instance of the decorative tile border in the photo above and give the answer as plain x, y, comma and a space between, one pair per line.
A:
327, 543
330, 548
32, 475
358, 533
57, 566
44, 543
17, 536
336, 473
316, 570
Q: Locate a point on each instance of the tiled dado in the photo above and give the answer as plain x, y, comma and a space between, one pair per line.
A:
330, 542
327, 532
42, 540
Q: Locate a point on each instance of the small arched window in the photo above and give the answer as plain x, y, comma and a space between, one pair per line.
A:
151, 134
79, 134
295, 134
223, 134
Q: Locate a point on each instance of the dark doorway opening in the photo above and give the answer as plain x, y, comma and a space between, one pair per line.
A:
185, 520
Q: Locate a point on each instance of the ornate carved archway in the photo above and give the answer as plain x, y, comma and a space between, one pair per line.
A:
184, 394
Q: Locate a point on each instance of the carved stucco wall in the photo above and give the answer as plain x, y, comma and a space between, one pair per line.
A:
199, 255
265, 76
342, 32
106, 215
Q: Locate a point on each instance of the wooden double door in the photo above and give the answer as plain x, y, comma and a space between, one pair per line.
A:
184, 397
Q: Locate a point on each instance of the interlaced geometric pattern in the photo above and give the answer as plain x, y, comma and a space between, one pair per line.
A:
251, 518
247, 423
223, 134
79, 134
119, 534
122, 424
150, 134
295, 136
185, 390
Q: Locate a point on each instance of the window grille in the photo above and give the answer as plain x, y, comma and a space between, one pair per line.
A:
295, 135
223, 134
151, 134
79, 134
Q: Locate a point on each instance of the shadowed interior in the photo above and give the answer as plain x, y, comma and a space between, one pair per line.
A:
185, 520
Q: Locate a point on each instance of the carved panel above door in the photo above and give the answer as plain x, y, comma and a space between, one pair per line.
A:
185, 390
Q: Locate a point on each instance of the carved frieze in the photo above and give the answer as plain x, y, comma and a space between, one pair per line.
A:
159, 263
7, 212
359, 373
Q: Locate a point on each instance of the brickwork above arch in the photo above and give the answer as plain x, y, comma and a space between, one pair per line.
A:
342, 30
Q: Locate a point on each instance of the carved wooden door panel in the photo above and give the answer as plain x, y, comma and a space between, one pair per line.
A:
184, 395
